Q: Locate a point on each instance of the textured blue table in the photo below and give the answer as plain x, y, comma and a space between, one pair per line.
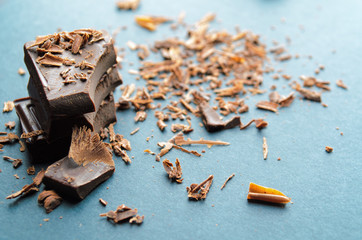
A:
325, 188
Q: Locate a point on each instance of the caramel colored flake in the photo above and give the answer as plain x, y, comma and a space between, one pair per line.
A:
140, 116
21, 72
227, 180
329, 149
9, 138
77, 43
199, 191
8, 106
10, 125
260, 193
150, 22
308, 94
161, 124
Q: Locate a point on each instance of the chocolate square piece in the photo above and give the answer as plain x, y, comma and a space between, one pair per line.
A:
66, 68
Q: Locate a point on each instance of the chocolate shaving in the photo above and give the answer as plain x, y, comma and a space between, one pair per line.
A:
30, 170
9, 138
137, 219
122, 213
50, 60
341, 84
8, 106
212, 120
265, 105
103, 202
10, 125
265, 149
16, 162
308, 94
77, 43
22, 146
227, 180
50, 200
128, 4
161, 124
134, 131
29, 188
199, 191
180, 140
174, 173
286, 101
140, 116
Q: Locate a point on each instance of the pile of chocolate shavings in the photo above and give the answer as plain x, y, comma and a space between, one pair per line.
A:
208, 59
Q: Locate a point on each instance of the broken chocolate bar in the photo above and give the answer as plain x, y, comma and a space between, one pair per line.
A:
56, 127
38, 146
66, 76
88, 164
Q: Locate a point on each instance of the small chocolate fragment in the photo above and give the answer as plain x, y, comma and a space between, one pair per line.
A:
212, 121
199, 191
16, 162
227, 180
103, 202
50, 200
87, 165
10, 125
137, 219
174, 173
265, 105
29, 188
122, 213
329, 149
61, 100
8, 106
30, 170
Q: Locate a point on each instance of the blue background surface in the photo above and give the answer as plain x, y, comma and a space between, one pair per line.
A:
325, 188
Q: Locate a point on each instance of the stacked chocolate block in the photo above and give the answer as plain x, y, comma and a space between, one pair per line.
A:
72, 79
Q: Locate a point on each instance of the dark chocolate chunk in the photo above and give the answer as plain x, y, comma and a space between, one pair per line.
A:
56, 127
212, 120
88, 164
39, 148
77, 98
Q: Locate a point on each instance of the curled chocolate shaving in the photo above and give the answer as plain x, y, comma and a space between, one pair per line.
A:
50, 200
199, 191
174, 173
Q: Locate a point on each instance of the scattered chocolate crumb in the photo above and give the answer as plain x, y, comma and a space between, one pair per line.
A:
308, 94
16, 176
22, 146
341, 84
226, 181
174, 173
140, 116
199, 191
279, 159
329, 149
10, 125
46, 219
265, 149
8, 106
149, 151
31, 170
137, 219
341, 133
324, 105
103, 202
9, 138
135, 131
16, 162
50, 200
21, 72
